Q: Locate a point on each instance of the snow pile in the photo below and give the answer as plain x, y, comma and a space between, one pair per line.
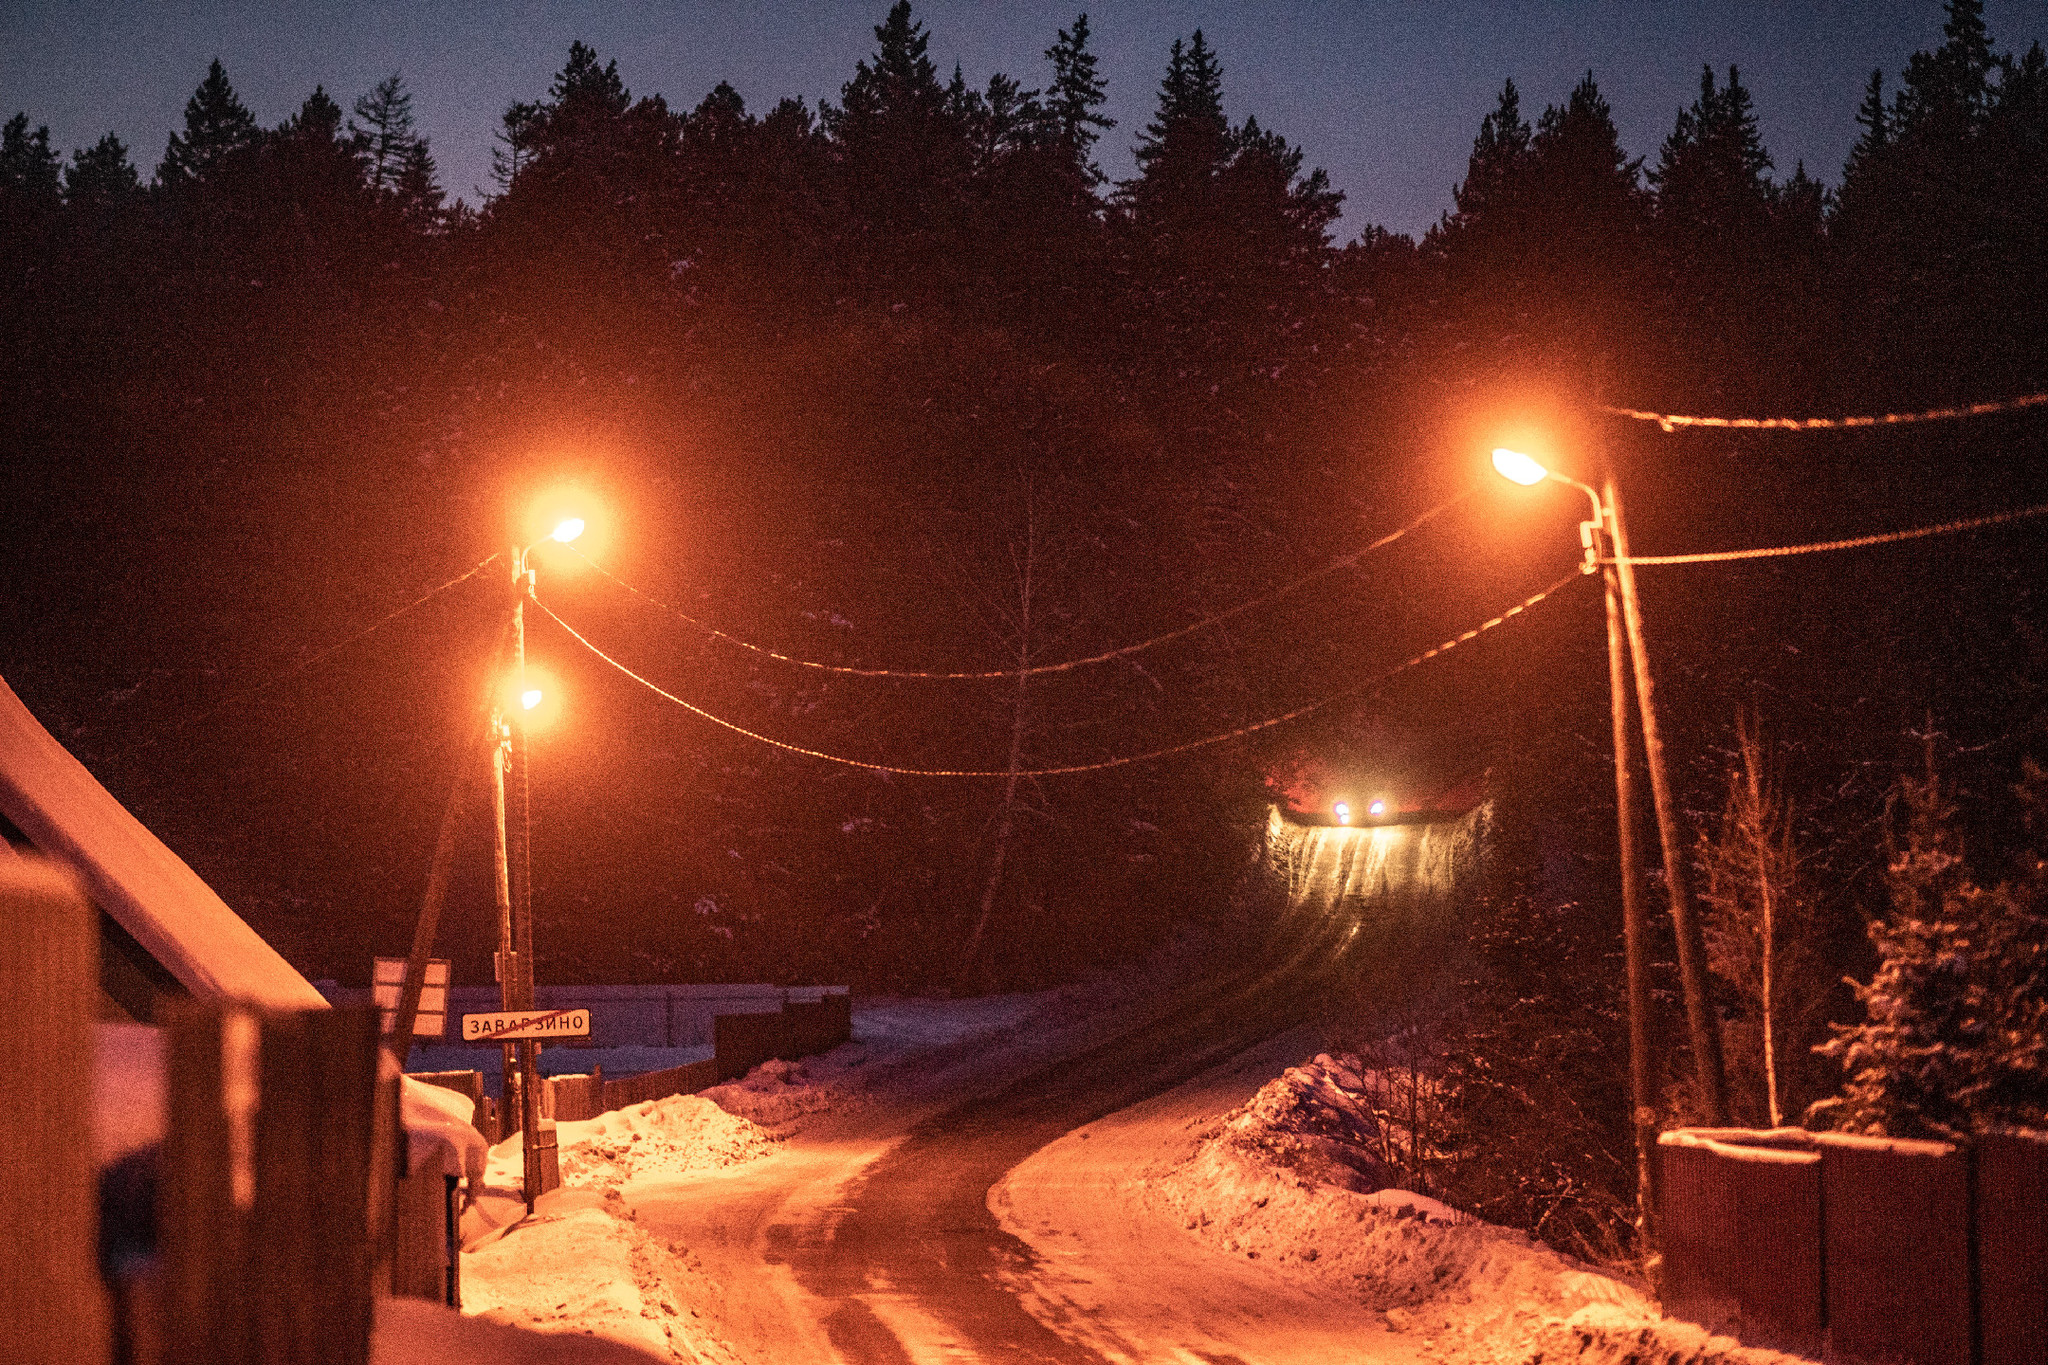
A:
577, 1266
779, 1095
679, 1135
1317, 1121
1294, 1178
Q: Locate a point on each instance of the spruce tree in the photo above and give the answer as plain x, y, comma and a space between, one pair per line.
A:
418, 191
318, 121
216, 126
1074, 101
100, 174
1189, 131
900, 84
1956, 1035
28, 168
1499, 160
383, 125
1876, 123
582, 84
397, 161
1712, 172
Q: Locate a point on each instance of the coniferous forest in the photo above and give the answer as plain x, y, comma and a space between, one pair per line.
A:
904, 381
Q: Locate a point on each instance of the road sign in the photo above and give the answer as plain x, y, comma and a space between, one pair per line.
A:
387, 979
493, 1028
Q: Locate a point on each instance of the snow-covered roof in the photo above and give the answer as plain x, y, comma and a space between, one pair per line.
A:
131, 875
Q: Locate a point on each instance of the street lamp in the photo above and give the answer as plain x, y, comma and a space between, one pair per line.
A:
513, 882
505, 746
1625, 644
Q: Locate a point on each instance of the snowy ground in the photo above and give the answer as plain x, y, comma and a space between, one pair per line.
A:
1238, 1216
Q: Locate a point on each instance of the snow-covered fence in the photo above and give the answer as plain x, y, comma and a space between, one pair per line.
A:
800, 1028
1866, 1248
469, 1084
657, 1085
1741, 1231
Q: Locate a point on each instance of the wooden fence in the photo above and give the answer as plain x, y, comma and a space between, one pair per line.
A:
52, 1306
1862, 1249
262, 1225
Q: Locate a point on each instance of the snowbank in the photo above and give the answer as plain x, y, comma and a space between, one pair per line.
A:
587, 1270
1294, 1177
680, 1135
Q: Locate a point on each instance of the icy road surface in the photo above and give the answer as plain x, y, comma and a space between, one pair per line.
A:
1070, 1177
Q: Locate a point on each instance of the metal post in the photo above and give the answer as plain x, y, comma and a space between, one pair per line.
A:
1701, 1024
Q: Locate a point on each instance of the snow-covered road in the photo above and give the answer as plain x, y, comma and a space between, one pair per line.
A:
1070, 1177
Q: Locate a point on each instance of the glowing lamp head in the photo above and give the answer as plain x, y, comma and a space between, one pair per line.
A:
1343, 810
1376, 808
530, 698
567, 530
1520, 468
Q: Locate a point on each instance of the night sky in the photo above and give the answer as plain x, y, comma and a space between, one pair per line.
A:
1386, 96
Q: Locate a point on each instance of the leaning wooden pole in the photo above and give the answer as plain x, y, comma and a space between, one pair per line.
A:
399, 1041
1701, 1024
429, 923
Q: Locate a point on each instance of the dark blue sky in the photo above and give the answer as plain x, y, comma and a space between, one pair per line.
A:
1384, 95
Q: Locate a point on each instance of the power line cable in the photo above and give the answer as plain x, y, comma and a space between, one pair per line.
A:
1671, 421
305, 664
1854, 542
1368, 685
1333, 566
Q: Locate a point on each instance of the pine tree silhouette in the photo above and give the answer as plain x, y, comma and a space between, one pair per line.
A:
217, 125
28, 168
100, 174
1074, 101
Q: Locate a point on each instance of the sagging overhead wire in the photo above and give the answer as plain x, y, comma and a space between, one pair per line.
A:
1671, 421
1369, 684
1344, 562
336, 648
1852, 543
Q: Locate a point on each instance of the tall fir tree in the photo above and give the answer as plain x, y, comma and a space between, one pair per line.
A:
1712, 173
217, 125
897, 88
28, 168
1074, 101
100, 174
1499, 161
1188, 134
1875, 121
383, 124
1955, 1038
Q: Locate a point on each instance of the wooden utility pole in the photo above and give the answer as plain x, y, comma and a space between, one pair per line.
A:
537, 1145
1643, 1116
1701, 1024
501, 894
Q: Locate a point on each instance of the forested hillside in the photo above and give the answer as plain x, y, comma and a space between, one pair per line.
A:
902, 381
